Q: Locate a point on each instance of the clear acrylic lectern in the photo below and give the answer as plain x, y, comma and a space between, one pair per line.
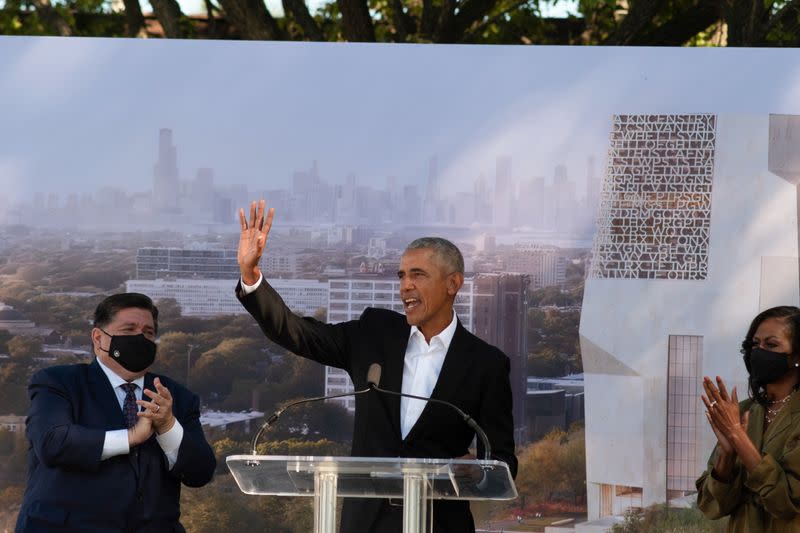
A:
415, 481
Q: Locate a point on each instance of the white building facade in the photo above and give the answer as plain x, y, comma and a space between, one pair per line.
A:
212, 297
695, 237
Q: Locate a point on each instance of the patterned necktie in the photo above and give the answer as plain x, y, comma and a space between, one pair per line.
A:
129, 407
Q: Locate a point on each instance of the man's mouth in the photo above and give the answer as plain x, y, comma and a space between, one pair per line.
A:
410, 303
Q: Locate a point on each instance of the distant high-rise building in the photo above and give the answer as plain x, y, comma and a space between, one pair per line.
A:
433, 192
503, 194
412, 206
313, 199
432, 206
166, 186
487, 242
483, 203
545, 265
52, 200
461, 211
345, 201
500, 317
531, 203
201, 193
566, 207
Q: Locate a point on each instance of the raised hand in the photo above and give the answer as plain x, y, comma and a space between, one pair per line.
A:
723, 409
253, 239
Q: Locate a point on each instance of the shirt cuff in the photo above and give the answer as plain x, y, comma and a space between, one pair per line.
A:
170, 443
247, 289
115, 443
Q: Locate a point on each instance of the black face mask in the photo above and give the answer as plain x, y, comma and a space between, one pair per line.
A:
765, 366
132, 352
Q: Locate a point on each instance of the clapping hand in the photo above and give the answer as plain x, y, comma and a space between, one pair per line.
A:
722, 412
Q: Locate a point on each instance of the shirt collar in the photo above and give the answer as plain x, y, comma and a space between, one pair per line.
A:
445, 336
115, 380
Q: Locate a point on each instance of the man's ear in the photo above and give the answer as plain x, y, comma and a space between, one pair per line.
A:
97, 337
454, 283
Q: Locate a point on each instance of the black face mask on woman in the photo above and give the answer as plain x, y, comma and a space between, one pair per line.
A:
766, 366
132, 352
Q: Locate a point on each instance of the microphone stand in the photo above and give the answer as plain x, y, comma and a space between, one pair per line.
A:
277, 414
487, 448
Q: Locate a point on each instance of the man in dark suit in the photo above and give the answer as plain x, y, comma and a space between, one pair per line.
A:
110, 443
427, 352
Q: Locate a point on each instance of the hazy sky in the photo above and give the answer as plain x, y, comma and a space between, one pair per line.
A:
78, 114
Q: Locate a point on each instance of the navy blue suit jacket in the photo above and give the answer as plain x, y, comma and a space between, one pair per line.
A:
474, 376
71, 489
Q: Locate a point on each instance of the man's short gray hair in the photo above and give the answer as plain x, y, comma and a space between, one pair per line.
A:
447, 252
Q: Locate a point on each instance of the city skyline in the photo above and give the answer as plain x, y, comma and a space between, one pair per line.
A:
392, 109
591, 166
496, 200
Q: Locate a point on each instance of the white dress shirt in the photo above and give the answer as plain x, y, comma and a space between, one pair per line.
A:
421, 368
116, 441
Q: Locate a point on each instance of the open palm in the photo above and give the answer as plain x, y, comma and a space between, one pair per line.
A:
253, 239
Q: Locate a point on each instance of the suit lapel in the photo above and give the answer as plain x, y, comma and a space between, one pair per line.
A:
104, 397
392, 374
455, 367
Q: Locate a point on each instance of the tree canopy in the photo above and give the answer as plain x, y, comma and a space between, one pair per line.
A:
602, 22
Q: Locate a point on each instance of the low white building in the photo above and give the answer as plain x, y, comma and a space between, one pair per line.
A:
212, 297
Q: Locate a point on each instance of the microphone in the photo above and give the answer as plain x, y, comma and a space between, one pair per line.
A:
374, 378
277, 414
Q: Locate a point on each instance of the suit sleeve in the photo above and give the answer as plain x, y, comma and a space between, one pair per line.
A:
777, 484
196, 462
56, 439
325, 343
496, 416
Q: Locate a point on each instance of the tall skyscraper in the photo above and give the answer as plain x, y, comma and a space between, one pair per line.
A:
566, 207
503, 194
166, 186
500, 317
432, 207
483, 203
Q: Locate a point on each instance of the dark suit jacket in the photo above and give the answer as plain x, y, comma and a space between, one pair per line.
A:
474, 377
71, 489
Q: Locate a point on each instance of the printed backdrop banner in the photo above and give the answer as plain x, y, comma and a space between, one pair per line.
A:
623, 212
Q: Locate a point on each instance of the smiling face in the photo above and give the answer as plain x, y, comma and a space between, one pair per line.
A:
427, 291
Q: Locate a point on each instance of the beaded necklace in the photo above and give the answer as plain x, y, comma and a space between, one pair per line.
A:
776, 406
